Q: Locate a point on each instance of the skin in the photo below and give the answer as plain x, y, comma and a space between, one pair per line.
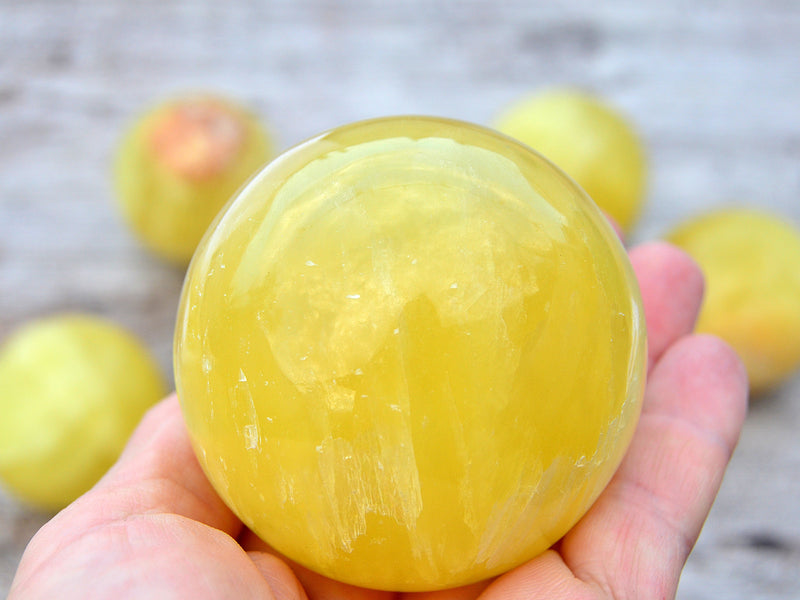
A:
154, 527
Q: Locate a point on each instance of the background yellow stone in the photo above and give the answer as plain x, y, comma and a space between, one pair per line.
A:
178, 165
751, 261
72, 389
593, 142
411, 354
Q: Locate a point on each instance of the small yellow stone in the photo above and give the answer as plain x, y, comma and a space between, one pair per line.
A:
410, 354
179, 164
72, 389
751, 262
591, 140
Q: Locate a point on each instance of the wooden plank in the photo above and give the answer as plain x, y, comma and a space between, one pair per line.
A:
714, 89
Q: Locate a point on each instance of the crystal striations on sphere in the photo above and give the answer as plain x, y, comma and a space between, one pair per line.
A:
410, 353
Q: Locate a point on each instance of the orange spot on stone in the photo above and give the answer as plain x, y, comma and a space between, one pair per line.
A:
198, 139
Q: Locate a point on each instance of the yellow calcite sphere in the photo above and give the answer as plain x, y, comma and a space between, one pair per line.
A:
410, 353
751, 262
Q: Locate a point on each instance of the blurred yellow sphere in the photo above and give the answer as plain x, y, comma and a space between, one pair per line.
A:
72, 389
591, 141
410, 354
751, 261
180, 163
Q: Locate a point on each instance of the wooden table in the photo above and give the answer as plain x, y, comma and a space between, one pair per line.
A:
715, 92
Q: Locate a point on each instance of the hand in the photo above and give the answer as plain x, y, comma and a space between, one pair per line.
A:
154, 527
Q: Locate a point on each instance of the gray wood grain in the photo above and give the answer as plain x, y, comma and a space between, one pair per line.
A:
713, 87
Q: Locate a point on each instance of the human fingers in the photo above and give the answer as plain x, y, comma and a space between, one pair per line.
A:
643, 527
671, 285
282, 581
158, 472
155, 494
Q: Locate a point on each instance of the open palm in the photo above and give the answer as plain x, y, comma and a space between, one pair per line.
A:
155, 528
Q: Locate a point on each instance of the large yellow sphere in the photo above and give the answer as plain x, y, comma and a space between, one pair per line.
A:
410, 354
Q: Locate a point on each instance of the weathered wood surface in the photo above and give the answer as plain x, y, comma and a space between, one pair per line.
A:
714, 88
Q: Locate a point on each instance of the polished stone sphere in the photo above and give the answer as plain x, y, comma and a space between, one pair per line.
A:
410, 353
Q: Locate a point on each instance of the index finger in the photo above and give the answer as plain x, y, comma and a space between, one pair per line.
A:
671, 285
